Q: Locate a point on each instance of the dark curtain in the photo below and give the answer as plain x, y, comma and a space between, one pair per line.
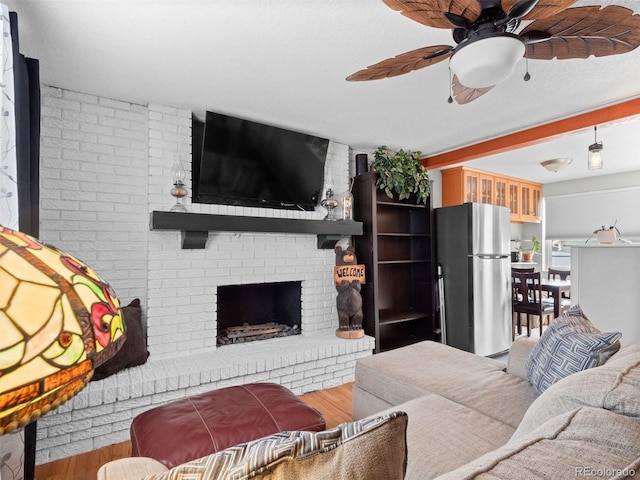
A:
27, 109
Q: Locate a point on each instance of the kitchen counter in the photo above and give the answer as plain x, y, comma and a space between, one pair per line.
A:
523, 264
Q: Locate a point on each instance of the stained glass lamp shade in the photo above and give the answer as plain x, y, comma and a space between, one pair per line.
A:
58, 321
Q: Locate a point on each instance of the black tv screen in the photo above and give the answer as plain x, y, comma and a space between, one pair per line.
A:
251, 164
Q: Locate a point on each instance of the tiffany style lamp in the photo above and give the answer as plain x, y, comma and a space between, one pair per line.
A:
58, 321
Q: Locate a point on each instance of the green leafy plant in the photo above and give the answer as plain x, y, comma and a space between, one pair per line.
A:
401, 172
604, 229
530, 248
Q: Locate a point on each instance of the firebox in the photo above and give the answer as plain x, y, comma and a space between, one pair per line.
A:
258, 311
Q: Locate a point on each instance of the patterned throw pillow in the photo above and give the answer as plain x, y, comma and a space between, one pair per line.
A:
134, 349
570, 344
372, 448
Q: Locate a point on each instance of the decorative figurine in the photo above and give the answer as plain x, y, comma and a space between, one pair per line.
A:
348, 277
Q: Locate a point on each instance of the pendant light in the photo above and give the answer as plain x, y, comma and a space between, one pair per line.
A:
594, 161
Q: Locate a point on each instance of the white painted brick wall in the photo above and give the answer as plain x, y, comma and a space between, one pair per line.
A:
183, 283
93, 185
105, 165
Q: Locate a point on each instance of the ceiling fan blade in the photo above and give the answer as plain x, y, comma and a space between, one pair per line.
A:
464, 95
542, 9
403, 63
521, 8
584, 31
431, 12
457, 20
534, 36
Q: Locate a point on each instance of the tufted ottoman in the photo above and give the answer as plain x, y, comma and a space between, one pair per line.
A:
199, 425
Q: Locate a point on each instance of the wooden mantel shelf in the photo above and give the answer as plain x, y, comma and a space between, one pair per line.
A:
195, 227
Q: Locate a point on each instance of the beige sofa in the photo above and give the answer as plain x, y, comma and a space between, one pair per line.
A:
466, 417
475, 417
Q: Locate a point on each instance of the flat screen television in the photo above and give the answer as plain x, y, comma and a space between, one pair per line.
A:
241, 162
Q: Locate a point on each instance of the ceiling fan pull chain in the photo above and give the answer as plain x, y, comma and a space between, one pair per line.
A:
527, 77
450, 99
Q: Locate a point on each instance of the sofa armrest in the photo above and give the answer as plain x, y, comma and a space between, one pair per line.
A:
518, 354
133, 468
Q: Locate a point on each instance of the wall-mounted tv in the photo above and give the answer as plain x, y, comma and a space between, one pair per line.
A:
241, 162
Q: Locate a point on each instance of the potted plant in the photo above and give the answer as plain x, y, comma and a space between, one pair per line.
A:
401, 172
530, 249
606, 235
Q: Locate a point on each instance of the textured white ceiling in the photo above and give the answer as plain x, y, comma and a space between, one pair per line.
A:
284, 62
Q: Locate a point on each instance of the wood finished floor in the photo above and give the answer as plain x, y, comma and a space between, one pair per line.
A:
333, 403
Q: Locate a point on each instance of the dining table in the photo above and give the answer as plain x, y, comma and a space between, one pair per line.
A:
556, 288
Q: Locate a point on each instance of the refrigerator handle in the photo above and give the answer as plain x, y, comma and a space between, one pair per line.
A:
491, 256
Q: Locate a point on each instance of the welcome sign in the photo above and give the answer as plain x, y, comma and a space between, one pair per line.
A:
348, 273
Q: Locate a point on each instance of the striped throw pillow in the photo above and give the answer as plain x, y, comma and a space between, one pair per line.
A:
372, 448
570, 344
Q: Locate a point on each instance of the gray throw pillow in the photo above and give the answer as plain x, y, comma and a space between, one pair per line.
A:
614, 386
569, 345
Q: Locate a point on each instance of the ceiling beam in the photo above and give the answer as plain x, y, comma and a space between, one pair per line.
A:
534, 135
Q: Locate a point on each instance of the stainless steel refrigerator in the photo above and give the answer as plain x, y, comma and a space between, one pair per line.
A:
472, 247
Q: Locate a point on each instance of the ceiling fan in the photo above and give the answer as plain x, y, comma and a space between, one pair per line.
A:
489, 45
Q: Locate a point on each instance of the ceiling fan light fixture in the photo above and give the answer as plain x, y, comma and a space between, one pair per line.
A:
556, 164
487, 61
594, 160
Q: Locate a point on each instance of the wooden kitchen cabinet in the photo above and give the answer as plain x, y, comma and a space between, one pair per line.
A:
514, 199
486, 188
533, 193
471, 187
500, 192
463, 184
528, 213
467, 185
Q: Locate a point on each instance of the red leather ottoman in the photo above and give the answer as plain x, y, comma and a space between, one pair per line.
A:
199, 425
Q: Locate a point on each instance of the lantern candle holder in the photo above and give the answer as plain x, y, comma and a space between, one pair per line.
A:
179, 191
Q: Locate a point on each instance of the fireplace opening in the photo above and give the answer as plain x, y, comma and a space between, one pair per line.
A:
258, 311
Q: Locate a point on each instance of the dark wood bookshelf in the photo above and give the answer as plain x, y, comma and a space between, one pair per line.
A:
397, 250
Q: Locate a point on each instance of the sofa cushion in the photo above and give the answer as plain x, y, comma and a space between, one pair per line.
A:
613, 386
518, 355
586, 442
443, 435
478, 382
570, 344
125, 468
374, 449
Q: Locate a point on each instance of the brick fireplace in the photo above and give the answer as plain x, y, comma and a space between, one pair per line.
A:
105, 165
258, 311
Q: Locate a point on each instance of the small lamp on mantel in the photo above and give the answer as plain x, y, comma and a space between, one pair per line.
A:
594, 161
179, 191
59, 321
330, 202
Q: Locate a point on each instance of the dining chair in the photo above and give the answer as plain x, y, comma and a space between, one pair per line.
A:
523, 269
559, 274
527, 299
